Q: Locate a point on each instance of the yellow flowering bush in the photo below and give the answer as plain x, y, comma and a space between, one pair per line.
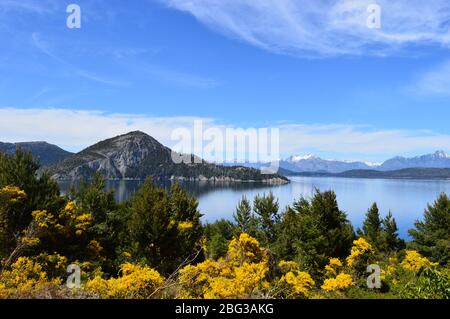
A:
185, 225
333, 267
361, 248
67, 221
341, 282
245, 249
240, 275
136, 282
13, 193
244, 282
26, 278
414, 262
299, 283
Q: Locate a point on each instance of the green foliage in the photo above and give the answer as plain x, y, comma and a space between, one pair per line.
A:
244, 218
164, 227
431, 237
218, 235
107, 226
429, 284
266, 209
390, 240
42, 193
313, 231
382, 234
371, 229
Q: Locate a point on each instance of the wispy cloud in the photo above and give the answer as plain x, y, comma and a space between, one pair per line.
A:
62, 127
324, 27
434, 82
35, 6
45, 48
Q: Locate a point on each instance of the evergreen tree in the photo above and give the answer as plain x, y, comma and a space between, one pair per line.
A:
244, 218
287, 234
266, 208
371, 229
313, 231
390, 239
165, 227
183, 208
42, 193
218, 235
153, 234
431, 237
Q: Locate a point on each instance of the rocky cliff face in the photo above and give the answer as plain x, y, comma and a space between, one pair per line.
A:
137, 155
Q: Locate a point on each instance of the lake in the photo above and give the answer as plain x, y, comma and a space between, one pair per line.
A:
406, 199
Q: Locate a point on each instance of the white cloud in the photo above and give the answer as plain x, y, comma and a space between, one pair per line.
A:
77, 129
323, 27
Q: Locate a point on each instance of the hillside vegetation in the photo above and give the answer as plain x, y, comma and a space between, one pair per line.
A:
155, 246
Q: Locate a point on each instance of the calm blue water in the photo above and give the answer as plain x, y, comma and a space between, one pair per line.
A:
406, 199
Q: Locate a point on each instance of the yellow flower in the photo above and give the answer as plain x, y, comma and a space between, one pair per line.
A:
185, 225
30, 241
43, 218
414, 262
240, 275
135, 282
95, 246
82, 223
360, 248
25, 278
245, 249
333, 267
341, 282
300, 282
14, 193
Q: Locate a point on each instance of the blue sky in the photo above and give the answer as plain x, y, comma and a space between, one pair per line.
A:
312, 68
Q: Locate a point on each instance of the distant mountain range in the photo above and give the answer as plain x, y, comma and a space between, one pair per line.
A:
137, 155
315, 164
44, 152
406, 173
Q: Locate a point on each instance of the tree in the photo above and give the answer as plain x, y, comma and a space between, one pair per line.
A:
390, 239
245, 220
313, 231
431, 237
218, 236
153, 234
266, 208
371, 229
164, 227
183, 209
19, 174
92, 198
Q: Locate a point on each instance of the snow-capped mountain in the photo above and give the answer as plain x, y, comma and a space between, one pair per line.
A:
439, 159
312, 163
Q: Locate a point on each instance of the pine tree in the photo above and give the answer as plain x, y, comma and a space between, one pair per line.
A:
153, 234
371, 229
390, 239
431, 237
245, 221
266, 208
312, 231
